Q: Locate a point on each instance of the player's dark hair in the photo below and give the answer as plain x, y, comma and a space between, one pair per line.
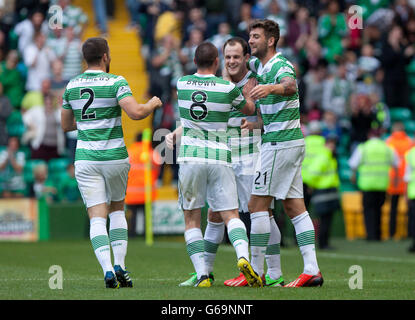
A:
271, 29
235, 40
205, 55
93, 50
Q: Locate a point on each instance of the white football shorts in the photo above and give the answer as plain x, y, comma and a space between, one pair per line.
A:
102, 183
244, 174
213, 183
278, 172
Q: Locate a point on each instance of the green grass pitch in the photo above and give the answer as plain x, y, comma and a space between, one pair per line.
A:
388, 272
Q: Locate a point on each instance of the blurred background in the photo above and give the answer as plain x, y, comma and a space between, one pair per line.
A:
355, 73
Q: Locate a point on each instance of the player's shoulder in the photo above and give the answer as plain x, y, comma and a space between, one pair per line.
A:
281, 61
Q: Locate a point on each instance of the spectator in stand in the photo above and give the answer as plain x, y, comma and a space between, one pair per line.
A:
166, 66
245, 13
44, 130
196, 21
401, 143
43, 187
276, 15
12, 162
35, 98
169, 23
133, 7
152, 10
300, 28
187, 53
74, 17
368, 64
38, 58
215, 15
219, 39
5, 110
314, 84
330, 127
11, 79
57, 83
310, 56
332, 30
28, 28
100, 12
337, 91
72, 55
395, 56
361, 119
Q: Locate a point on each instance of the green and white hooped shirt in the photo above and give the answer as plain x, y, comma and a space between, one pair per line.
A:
281, 115
93, 96
205, 103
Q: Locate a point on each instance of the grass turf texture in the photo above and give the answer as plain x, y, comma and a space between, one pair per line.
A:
388, 272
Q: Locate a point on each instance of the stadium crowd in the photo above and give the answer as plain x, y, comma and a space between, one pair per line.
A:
355, 71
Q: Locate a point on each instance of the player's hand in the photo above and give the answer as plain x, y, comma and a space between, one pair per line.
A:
246, 125
260, 91
247, 89
170, 140
156, 102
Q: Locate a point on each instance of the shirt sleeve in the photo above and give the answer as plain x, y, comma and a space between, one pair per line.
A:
286, 70
122, 89
237, 99
65, 100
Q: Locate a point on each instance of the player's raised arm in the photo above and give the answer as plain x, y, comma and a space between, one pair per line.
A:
287, 87
137, 111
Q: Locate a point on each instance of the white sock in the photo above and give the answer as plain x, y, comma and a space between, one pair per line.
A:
260, 232
213, 237
239, 239
305, 234
195, 249
272, 254
100, 242
118, 237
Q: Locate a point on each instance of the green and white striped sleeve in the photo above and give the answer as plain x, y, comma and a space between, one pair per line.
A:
122, 89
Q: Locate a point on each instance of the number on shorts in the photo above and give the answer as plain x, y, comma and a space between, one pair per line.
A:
198, 104
257, 182
87, 116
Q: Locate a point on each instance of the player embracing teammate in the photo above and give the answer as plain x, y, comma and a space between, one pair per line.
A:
277, 171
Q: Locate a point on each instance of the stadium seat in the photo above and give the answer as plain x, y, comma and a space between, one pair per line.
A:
58, 165
410, 127
400, 114
14, 124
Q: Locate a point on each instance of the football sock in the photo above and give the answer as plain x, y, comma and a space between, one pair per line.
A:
272, 253
213, 237
195, 249
118, 237
304, 231
100, 242
260, 233
239, 239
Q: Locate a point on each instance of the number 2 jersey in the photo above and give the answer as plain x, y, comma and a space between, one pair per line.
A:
205, 103
93, 96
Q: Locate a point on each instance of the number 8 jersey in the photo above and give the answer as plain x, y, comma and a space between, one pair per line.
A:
205, 103
93, 96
